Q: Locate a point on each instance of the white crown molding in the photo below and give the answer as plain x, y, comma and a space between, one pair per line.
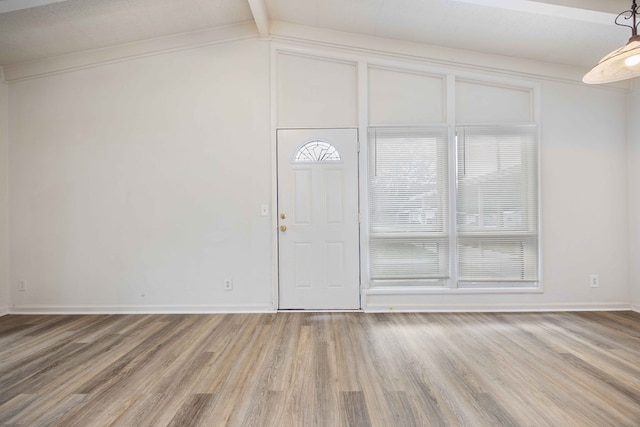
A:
123, 52
139, 309
432, 54
381, 307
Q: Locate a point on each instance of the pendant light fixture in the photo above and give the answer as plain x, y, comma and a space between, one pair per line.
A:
622, 63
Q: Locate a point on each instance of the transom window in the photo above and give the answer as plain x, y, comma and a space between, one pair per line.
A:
317, 151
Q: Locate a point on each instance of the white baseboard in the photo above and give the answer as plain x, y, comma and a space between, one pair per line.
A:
370, 308
140, 309
472, 308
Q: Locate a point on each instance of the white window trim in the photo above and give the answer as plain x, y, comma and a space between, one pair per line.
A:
423, 65
452, 283
451, 286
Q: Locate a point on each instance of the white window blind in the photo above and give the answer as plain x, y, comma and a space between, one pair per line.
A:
408, 196
497, 206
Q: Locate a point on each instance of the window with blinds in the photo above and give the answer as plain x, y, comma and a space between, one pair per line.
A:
408, 205
497, 205
495, 234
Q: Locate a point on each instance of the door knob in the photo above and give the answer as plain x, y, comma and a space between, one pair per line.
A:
283, 216
283, 228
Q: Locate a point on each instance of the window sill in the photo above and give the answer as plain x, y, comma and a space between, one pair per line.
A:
421, 290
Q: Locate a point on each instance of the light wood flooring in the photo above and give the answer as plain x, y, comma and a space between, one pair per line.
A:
325, 369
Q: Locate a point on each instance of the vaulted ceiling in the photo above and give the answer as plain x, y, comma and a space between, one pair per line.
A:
572, 32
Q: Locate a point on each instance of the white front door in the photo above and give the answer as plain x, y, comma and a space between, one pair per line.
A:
318, 219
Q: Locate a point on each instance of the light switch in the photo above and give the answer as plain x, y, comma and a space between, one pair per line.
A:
264, 210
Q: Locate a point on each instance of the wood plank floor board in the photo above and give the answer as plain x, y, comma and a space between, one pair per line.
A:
29, 377
514, 383
144, 409
321, 369
244, 377
63, 372
403, 410
524, 351
191, 412
46, 413
595, 366
186, 367
38, 338
506, 367
17, 405
355, 409
345, 338
371, 377
132, 372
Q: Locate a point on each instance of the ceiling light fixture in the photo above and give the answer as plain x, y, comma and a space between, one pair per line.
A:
622, 63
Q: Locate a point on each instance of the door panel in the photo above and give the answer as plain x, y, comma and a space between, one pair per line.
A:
318, 219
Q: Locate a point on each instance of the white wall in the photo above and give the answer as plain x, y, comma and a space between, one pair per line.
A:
316, 92
583, 182
138, 185
634, 193
584, 210
4, 200
584, 189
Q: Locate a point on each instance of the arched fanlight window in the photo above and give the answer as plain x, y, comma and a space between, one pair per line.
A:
317, 151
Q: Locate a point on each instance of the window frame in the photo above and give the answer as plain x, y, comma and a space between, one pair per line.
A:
434, 237
452, 283
529, 156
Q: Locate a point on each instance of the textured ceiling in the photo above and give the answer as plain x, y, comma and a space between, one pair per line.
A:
467, 25
556, 31
80, 25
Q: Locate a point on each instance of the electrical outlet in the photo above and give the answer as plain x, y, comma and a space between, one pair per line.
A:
594, 281
228, 284
22, 286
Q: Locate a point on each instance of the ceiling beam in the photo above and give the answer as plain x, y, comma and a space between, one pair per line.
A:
260, 16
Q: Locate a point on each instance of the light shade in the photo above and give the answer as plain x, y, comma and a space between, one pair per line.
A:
621, 64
